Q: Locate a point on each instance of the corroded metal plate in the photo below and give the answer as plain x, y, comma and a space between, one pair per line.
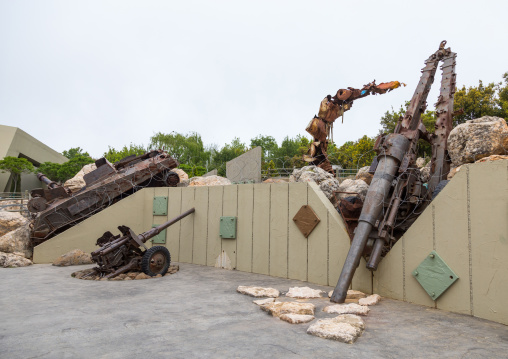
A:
306, 220
434, 275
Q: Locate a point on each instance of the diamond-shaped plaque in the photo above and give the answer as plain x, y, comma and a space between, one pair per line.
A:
434, 275
306, 220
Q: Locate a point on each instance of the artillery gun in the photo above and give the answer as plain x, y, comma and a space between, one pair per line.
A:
56, 208
397, 195
122, 253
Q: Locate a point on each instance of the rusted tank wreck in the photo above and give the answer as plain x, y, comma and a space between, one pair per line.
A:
55, 209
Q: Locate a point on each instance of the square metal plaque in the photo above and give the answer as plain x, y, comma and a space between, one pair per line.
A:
160, 206
161, 237
227, 227
434, 275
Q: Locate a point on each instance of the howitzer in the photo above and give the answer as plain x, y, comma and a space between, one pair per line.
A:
396, 195
121, 253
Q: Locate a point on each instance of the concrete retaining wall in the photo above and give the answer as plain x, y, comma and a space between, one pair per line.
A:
466, 224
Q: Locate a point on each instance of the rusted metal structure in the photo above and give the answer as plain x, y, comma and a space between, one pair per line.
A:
55, 209
331, 108
122, 253
396, 195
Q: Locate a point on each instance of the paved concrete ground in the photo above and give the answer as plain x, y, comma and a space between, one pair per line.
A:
196, 313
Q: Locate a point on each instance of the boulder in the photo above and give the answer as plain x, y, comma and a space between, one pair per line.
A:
142, 276
425, 173
18, 202
296, 318
278, 308
326, 181
277, 180
209, 181
258, 291
344, 329
77, 182
493, 158
10, 221
303, 292
9, 260
476, 139
364, 175
17, 240
453, 172
73, 258
350, 308
357, 186
328, 186
370, 300
181, 173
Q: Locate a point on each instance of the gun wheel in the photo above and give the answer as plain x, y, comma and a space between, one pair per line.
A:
155, 261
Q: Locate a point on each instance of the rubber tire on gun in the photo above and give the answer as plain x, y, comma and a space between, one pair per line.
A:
156, 260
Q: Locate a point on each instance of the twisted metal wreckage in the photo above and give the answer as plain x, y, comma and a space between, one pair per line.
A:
395, 199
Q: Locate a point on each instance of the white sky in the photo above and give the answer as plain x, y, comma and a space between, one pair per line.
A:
99, 73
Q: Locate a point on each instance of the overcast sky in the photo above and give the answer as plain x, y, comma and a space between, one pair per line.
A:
99, 73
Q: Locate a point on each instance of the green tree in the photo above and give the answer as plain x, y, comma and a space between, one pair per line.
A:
74, 152
186, 149
113, 155
16, 167
267, 144
355, 154
227, 153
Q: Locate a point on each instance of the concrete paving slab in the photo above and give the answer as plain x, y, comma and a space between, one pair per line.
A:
197, 313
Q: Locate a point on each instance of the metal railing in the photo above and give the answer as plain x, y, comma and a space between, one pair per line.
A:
286, 172
15, 202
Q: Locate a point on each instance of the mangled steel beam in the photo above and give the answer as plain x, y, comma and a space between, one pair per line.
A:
55, 209
331, 108
396, 195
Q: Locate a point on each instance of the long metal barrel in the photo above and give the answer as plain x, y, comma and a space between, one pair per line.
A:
46, 180
155, 231
396, 146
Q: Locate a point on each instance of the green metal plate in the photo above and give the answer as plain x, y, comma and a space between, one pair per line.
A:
434, 275
227, 227
160, 206
161, 237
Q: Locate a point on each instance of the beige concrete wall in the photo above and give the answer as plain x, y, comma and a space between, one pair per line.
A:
13, 142
467, 225
267, 242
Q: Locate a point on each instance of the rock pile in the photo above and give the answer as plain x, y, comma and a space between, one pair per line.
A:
346, 327
14, 240
13, 260
91, 274
327, 183
77, 182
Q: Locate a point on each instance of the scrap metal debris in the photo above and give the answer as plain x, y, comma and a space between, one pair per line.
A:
321, 126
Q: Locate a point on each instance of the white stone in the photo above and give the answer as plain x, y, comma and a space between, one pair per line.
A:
10, 221
364, 175
263, 301
296, 318
370, 300
17, 240
209, 181
351, 294
278, 308
336, 329
77, 182
258, 291
350, 308
181, 174
303, 292
357, 186
8, 260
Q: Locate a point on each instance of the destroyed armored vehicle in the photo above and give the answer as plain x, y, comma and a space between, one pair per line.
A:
55, 209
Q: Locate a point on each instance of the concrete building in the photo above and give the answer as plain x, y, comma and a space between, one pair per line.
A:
15, 142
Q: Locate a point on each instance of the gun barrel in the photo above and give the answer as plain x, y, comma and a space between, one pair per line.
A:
46, 180
155, 231
395, 147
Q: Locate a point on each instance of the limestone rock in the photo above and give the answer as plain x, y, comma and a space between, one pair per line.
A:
278, 308
258, 291
310, 174
352, 319
263, 301
17, 240
142, 276
425, 173
77, 182
493, 158
10, 221
351, 294
478, 138
344, 330
181, 173
358, 186
364, 175
328, 186
296, 318
18, 202
74, 257
132, 275
277, 180
128, 278
8, 260
303, 292
420, 162
453, 172
173, 269
209, 181
350, 308
370, 300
